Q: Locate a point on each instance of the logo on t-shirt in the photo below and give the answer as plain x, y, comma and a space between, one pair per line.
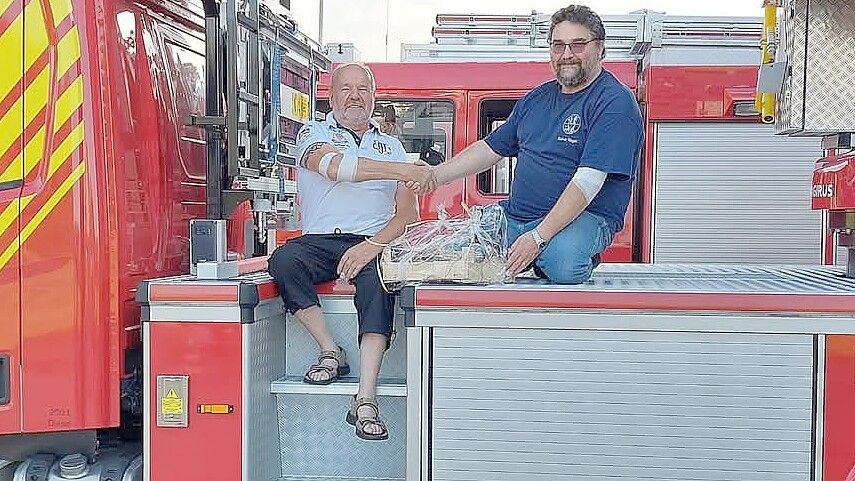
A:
339, 139
572, 124
381, 148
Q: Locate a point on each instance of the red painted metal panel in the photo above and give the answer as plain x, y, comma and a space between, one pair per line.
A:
10, 332
834, 183
69, 334
268, 290
646, 177
126, 217
651, 301
10, 272
839, 420
474, 75
155, 63
210, 446
697, 93
190, 292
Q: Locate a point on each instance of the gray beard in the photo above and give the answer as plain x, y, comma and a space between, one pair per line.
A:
572, 79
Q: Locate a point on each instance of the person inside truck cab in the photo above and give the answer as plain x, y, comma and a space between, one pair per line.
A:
577, 140
352, 205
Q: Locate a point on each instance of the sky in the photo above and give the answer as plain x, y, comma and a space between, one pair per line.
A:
378, 27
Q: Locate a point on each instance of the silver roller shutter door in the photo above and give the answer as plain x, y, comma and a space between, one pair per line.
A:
734, 193
544, 405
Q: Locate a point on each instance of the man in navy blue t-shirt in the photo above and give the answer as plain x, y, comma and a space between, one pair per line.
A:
577, 140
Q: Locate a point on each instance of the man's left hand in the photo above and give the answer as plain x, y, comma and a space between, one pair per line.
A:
522, 253
356, 258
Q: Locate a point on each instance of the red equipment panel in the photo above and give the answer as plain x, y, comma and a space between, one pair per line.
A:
209, 353
839, 442
834, 183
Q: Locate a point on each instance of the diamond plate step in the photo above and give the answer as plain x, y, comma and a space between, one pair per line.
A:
346, 386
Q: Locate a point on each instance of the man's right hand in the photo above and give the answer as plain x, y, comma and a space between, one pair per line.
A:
420, 178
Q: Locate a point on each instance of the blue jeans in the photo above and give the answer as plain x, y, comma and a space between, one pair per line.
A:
567, 258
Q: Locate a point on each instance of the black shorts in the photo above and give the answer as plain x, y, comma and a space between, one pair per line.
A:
299, 264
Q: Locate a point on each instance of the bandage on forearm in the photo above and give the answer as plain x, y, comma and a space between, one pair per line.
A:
589, 181
347, 167
324, 164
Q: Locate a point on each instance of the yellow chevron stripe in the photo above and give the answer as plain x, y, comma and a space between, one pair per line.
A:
13, 172
67, 52
65, 149
37, 95
32, 156
68, 102
10, 126
59, 156
37, 39
54, 199
11, 56
8, 216
42, 214
36, 100
60, 10
4, 5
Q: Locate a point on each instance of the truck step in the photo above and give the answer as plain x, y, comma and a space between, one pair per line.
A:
335, 478
345, 386
316, 443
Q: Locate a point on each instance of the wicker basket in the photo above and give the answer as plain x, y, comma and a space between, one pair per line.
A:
466, 269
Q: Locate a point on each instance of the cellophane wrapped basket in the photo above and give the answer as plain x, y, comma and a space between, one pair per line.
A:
466, 249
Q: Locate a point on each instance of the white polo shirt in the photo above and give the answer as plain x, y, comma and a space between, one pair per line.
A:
328, 207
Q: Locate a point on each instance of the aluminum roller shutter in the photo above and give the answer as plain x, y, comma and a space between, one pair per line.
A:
544, 405
734, 193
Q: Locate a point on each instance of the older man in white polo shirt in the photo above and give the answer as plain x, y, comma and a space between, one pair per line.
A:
352, 205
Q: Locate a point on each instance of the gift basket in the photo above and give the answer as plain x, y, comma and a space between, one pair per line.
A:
466, 249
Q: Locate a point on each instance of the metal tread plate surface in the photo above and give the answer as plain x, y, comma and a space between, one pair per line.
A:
346, 385
694, 278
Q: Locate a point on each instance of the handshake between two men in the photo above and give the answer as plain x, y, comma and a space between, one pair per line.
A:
422, 178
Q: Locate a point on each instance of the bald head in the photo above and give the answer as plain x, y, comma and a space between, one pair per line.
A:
353, 68
352, 95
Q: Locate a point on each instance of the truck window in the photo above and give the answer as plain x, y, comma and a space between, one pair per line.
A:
424, 127
497, 180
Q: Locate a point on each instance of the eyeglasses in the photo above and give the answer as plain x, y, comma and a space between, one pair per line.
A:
557, 46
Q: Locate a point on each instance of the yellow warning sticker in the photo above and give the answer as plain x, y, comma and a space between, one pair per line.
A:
172, 404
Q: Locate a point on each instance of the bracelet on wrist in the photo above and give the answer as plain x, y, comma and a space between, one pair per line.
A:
375, 243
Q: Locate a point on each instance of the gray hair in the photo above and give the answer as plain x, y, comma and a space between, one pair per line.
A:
361, 65
582, 15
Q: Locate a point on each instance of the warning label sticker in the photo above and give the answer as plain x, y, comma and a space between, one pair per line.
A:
172, 404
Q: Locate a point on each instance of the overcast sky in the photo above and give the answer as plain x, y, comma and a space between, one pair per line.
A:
366, 24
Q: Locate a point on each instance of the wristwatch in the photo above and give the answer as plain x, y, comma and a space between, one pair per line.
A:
541, 242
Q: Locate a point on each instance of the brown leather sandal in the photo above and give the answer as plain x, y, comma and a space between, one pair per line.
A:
360, 422
333, 373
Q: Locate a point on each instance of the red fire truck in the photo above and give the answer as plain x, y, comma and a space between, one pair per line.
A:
117, 319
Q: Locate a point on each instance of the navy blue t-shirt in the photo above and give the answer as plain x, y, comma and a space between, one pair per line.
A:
552, 134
